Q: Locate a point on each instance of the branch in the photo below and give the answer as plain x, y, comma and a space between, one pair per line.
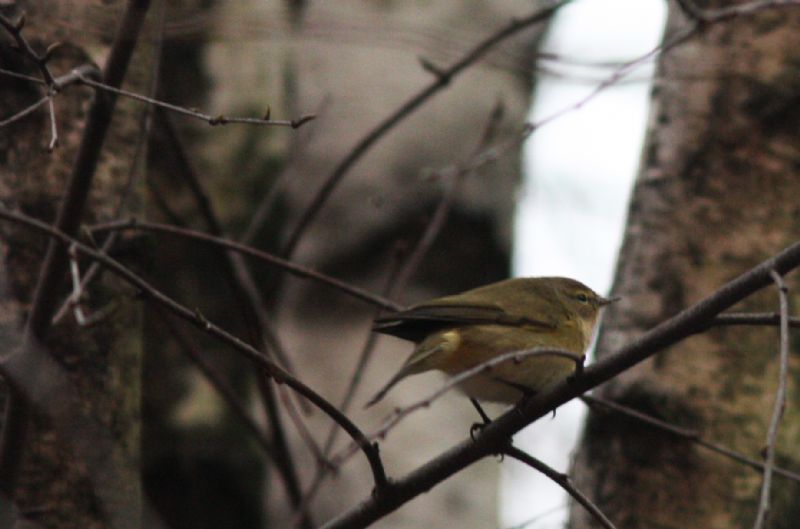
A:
25, 111
710, 16
295, 269
690, 435
15, 30
779, 406
440, 81
561, 480
279, 374
219, 119
752, 318
493, 436
513, 356
248, 301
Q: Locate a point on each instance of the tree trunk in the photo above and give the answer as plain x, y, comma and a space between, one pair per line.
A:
71, 434
717, 193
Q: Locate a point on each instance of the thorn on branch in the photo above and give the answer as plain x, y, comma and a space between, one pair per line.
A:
441, 75
297, 123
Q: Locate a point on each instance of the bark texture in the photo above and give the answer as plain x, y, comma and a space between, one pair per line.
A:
716, 194
77, 465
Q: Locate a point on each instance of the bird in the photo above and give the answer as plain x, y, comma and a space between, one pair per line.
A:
458, 332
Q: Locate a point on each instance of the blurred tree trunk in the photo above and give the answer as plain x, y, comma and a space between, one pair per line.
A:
77, 463
717, 193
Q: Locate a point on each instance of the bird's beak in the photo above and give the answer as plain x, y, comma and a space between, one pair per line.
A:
606, 301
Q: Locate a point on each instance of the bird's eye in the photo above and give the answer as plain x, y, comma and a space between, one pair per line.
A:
583, 298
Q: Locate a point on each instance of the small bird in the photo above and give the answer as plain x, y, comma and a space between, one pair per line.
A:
456, 333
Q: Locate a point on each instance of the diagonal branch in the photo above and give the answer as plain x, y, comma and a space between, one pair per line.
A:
496, 435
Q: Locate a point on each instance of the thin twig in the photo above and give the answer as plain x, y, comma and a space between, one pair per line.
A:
293, 268
219, 119
15, 30
623, 71
25, 111
753, 318
55, 85
326, 466
238, 274
218, 382
452, 181
779, 406
53, 126
514, 356
248, 300
441, 80
684, 433
77, 293
275, 371
709, 16
401, 413
562, 480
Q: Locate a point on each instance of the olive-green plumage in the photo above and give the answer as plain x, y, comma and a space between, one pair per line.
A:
458, 332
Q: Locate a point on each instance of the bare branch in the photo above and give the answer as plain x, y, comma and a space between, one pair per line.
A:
219, 384
25, 111
77, 292
249, 302
279, 374
514, 356
295, 269
709, 16
15, 30
690, 435
53, 127
780, 403
442, 79
562, 480
753, 318
219, 119
494, 436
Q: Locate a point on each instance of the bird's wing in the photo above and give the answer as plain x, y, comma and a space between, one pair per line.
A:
417, 322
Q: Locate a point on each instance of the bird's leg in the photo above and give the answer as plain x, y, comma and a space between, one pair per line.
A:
477, 427
527, 393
